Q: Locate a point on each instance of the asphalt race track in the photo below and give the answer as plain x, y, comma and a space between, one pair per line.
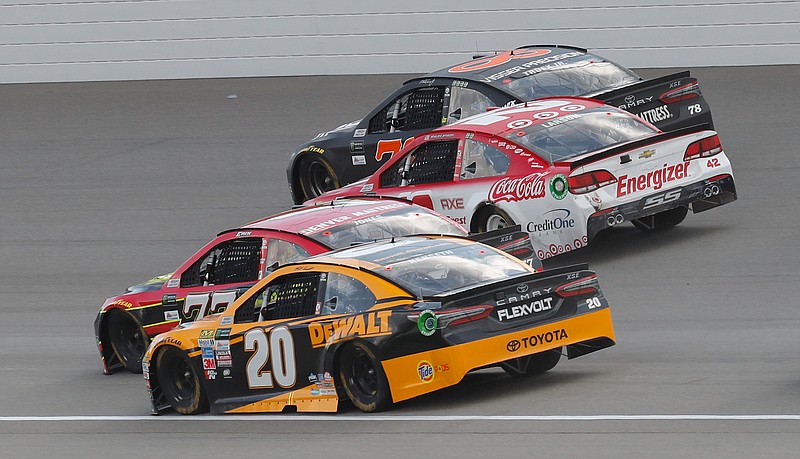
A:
103, 185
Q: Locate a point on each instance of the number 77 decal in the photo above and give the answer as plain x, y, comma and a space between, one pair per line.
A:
206, 303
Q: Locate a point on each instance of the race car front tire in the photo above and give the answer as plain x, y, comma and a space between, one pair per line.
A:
315, 176
492, 218
363, 378
532, 365
179, 382
661, 220
128, 340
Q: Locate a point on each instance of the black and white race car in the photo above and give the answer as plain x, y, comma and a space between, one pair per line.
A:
355, 150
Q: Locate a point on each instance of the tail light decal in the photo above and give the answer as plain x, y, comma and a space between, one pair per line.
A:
687, 91
584, 286
703, 148
590, 181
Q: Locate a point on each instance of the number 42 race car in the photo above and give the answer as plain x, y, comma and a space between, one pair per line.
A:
377, 324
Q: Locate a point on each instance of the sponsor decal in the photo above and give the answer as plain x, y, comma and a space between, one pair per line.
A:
647, 153
525, 309
211, 374
653, 179
452, 203
548, 337
172, 283
226, 373
425, 371
169, 298
244, 233
558, 186
359, 133
208, 353
312, 378
654, 115
223, 333
206, 334
359, 160
356, 145
553, 220
124, 304
427, 323
313, 149
367, 188
171, 315
209, 364
172, 340
562, 119
439, 136
364, 325
518, 189
223, 345
227, 320
204, 342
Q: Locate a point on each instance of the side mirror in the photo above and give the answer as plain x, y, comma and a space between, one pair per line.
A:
456, 115
471, 167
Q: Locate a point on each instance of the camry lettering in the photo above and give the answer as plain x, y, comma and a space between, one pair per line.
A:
370, 324
653, 179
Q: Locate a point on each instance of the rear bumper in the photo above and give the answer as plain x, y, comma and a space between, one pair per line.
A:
700, 196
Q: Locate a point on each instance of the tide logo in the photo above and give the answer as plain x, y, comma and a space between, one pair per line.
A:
425, 371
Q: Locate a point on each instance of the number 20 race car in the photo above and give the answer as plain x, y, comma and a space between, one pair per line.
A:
236, 259
562, 168
377, 324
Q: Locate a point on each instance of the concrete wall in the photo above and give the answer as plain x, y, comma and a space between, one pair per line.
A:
80, 40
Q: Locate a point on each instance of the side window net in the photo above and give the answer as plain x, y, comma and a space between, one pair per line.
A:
230, 262
296, 297
419, 109
431, 162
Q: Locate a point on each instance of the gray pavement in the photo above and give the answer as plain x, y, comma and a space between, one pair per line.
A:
103, 185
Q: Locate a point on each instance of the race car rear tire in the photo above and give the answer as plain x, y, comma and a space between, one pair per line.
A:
315, 176
363, 378
532, 365
179, 382
492, 218
661, 220
128, 339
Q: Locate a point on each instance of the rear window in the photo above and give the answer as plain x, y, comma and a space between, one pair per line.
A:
590, 74
575, 134
405, 221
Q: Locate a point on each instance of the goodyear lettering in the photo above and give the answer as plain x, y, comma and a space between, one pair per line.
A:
365, 325
653, 179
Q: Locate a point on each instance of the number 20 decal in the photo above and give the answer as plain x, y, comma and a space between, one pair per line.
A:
593, 302
284, 364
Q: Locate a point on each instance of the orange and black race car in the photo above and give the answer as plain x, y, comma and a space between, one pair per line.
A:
377, 324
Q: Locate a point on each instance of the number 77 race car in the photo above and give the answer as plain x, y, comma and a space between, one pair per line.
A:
377, 324
563, 168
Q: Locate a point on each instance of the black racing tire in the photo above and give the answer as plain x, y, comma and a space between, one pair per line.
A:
661, 220
181, 385
532, 365
128, 339
315, 177
363, 378
492, 218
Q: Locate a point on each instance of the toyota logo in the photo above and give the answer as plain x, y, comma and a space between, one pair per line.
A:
629, 99
522, 288
513, 345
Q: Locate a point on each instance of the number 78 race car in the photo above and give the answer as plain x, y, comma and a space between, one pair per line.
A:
377, 324
563, 168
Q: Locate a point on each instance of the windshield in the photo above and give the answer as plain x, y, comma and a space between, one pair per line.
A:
453, 267
589, 75
406, 221
578, 133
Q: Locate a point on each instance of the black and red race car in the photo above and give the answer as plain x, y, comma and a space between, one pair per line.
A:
211, 279
356, 150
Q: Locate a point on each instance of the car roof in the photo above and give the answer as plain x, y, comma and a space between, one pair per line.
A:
339, 211
491, 67
502, 120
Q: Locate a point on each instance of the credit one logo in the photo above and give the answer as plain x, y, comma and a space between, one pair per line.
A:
556, 219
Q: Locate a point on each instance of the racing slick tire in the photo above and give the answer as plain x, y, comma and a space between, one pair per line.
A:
532, 365
661, 220
315, 176
128, 339
492, 218
180, 383
363, 378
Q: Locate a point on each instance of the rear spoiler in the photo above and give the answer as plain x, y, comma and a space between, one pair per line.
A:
513, 241
644, 84
633, 145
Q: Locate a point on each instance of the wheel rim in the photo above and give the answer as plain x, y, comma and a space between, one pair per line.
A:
365, 377
183, 381
495, 222
129, 341
319, 179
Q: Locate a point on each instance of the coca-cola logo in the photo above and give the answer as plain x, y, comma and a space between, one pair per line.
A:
517, 189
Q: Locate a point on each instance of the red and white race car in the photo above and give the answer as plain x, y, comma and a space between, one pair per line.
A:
563, 168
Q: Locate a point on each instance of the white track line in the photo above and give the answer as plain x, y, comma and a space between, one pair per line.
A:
401, 418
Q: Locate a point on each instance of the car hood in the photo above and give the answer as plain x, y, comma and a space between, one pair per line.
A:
151, 285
